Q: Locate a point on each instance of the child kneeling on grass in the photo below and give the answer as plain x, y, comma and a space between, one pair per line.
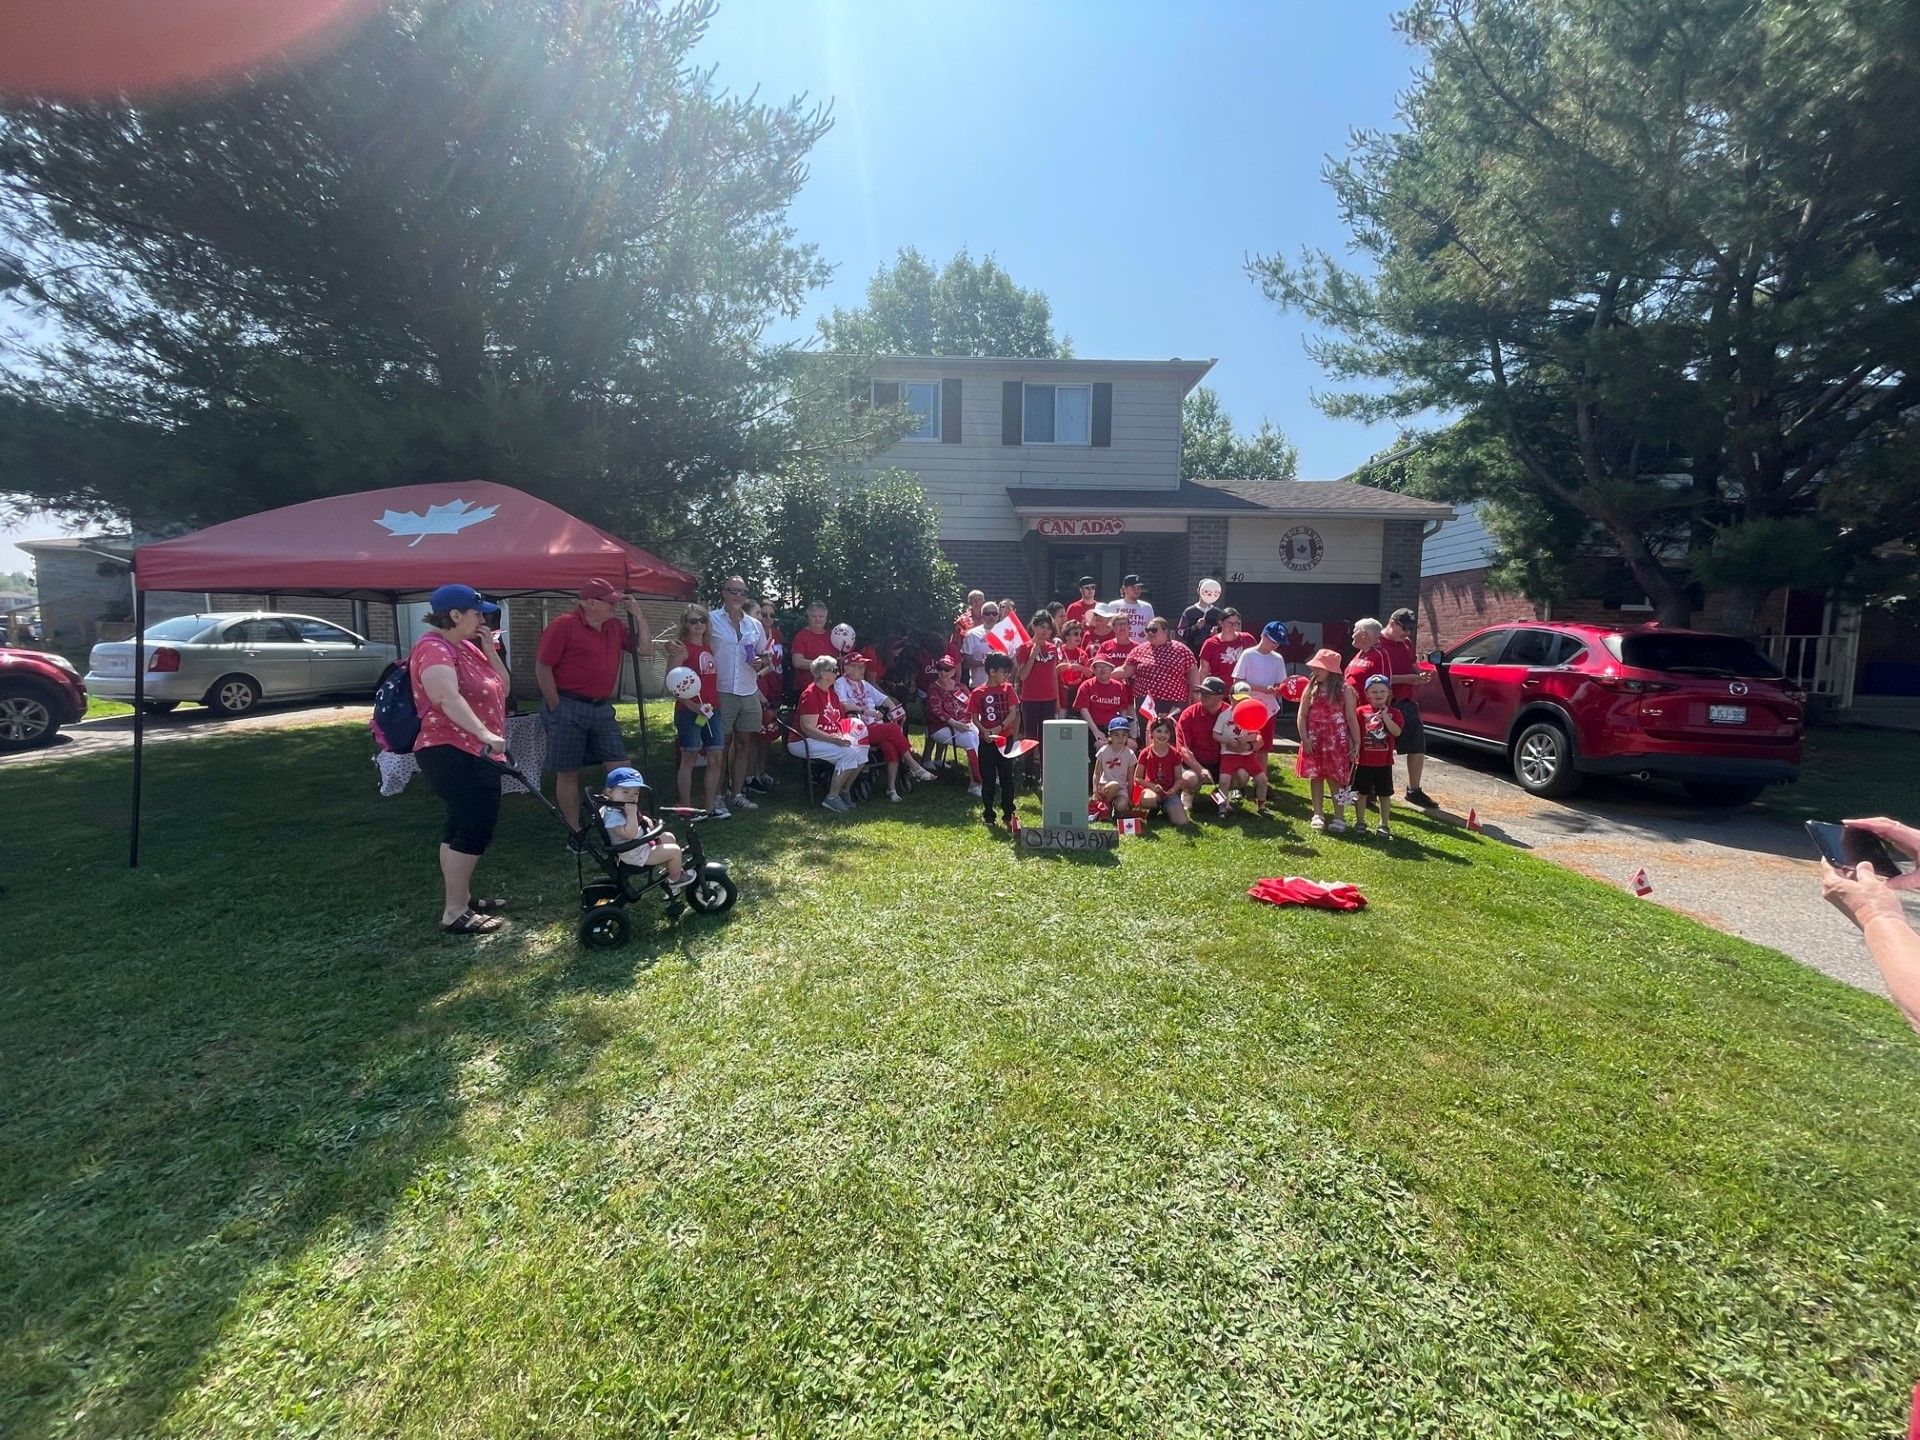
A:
624, 822
1113, 768
1168, 777
1373, 775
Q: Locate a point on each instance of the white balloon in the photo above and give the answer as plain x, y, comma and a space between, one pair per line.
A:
842, 636
1209, 590
683, 683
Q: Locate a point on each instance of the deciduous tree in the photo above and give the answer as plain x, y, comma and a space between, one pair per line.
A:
1211, 449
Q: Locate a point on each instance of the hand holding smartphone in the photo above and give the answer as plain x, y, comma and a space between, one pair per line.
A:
1846, 847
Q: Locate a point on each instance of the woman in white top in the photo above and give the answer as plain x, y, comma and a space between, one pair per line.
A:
871, 704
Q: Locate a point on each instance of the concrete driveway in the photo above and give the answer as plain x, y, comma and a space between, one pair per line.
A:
93, 737
1739, 871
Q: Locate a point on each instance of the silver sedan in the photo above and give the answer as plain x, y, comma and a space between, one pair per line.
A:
231, 662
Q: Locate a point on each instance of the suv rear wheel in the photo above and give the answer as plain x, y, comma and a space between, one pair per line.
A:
1543, 760
1719, 794
26, 718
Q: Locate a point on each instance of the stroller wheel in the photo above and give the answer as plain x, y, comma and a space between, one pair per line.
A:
712, 893
605, 927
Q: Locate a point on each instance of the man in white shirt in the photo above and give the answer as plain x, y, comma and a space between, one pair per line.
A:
1136, 612
974, 648
739, 655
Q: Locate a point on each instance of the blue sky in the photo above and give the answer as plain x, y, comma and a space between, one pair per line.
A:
1125, 157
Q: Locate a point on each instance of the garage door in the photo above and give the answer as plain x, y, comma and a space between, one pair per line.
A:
1315, 614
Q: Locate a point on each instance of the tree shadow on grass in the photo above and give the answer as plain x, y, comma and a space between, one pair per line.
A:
193, 1102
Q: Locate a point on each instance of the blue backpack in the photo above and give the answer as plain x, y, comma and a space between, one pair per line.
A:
396, 719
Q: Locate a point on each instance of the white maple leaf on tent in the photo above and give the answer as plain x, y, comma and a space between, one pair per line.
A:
448, 519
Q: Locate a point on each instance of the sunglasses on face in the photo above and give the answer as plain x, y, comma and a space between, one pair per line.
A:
734, 590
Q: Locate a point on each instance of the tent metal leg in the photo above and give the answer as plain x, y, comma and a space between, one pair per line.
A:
139, 719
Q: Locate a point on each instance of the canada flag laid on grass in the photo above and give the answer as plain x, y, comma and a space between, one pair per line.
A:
1009, 635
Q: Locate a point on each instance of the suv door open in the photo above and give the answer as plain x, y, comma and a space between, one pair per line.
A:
1452, 699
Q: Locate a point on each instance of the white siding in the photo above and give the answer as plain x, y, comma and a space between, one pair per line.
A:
1462, 544
969, 481
1350, 555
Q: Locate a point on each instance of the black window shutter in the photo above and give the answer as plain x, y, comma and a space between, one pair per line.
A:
949, 412
1103, 415
1010, 401
886, 392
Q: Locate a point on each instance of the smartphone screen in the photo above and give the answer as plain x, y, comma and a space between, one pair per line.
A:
1846, 848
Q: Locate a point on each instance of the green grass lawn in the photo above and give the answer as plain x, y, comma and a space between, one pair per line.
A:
1851, 771
927, 1136
98, 709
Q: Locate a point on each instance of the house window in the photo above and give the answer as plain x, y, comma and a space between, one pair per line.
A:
1058, 415
922, 397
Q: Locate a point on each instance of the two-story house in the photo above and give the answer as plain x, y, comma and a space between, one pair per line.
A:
1047, 470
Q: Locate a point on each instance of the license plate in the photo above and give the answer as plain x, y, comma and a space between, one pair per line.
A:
116, 664
1727, 714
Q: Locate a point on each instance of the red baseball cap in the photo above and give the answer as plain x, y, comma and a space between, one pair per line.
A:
600, 590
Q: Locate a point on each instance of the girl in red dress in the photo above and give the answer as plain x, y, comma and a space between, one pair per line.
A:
1329, 735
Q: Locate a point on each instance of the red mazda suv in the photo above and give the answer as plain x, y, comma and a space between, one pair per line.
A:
1566, 701
39, 692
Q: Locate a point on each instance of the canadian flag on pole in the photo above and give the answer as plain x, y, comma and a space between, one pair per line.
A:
1009, 635
1147, 712
1638, 882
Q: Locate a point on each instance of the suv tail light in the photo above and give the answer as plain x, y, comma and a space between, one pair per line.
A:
1612, 680
164, 660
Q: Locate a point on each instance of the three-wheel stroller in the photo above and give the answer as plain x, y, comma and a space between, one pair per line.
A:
604, 922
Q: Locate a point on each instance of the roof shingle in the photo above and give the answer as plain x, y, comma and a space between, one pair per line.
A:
1283, 497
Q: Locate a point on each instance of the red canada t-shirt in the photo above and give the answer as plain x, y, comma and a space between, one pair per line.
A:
1401, 660
821, 705
806, 647
994, 706
1105, 699
480, 686
1043, 680
1160, 771
1218, 654
1195, 729
1376, 745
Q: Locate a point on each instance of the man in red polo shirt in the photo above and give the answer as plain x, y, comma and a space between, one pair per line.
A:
1197, 726
578, 670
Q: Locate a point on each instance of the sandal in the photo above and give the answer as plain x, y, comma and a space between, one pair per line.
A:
490, 906
469, 923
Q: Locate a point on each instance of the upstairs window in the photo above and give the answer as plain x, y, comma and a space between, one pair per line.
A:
1058, 415
922, 397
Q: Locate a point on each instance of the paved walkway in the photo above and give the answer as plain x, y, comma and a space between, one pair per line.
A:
93, 737
1739, 871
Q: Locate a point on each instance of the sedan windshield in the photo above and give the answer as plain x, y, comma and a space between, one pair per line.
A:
1720, 655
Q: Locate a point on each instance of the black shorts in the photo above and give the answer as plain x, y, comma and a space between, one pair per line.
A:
1412, 739
1373, 779
470, 786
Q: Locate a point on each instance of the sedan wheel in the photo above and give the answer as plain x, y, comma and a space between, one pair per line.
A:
233, 695
1543, 761
25, 720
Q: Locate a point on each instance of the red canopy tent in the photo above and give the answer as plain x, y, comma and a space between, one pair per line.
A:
390, 545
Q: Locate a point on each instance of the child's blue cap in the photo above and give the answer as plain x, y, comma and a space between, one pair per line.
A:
1276, 631
1119, 722
624, 776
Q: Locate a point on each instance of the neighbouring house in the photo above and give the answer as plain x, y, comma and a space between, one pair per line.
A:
1864, 661
1047, 470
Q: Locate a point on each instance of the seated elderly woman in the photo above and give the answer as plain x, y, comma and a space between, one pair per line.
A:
868, 703
826, 732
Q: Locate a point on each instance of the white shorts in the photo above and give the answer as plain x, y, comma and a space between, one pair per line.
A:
841, 757
968, 739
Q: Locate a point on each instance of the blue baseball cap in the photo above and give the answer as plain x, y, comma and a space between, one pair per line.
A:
1119, 722
1276, 631
623, 776
449, 598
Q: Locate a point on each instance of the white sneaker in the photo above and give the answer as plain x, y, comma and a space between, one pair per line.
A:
720, 811
740, 802
974, 791
1318, 822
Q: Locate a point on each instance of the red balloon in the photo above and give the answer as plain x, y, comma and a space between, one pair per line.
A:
102, 49
1292, 688
1250, 715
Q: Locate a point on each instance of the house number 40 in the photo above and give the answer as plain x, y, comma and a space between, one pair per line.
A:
1237, 576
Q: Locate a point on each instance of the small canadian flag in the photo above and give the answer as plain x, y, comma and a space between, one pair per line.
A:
1473, 818
1147, 712
1009, 635
1639, 884
1128, 825
1013, 824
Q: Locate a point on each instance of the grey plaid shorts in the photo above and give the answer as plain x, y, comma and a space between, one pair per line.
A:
579, 735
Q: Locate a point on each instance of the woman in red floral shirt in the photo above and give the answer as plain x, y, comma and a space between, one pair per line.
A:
1162, 670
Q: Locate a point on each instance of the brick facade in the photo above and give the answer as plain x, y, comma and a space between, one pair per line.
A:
1161, 561
1401, 544
998, 567
1453, 606
1206, 550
